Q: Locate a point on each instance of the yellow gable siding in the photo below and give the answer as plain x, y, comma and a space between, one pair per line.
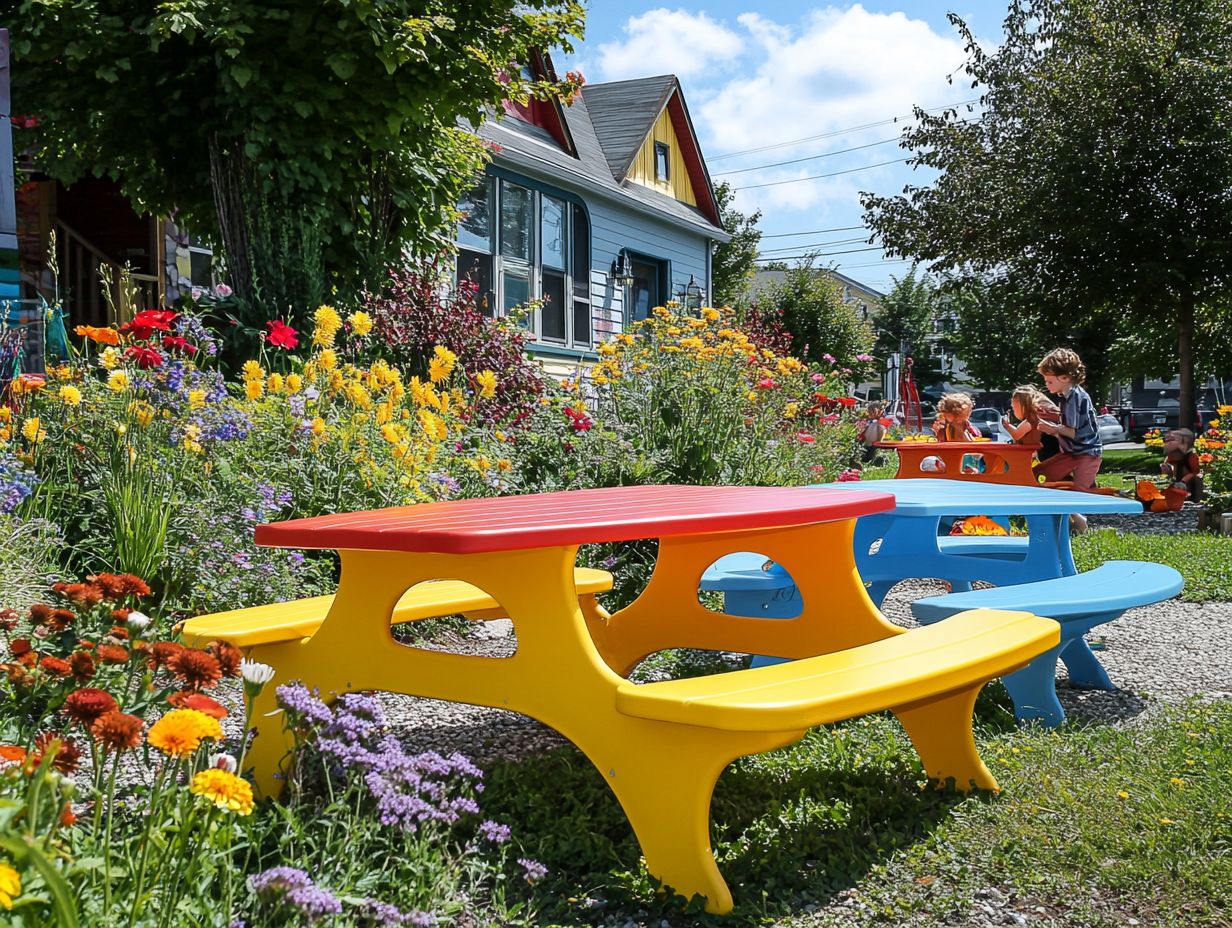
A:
642, 171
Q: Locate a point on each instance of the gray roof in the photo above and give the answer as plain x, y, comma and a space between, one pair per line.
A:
531, 150
623, 112
768, 277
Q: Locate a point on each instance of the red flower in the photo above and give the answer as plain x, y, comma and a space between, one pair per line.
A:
200, 702
55, 666
144, 357
66, 753
281, 335
146, 322
847, 401
82, 665
805, 437
173, 342
87, 704
117, 731
766, 383
19, 646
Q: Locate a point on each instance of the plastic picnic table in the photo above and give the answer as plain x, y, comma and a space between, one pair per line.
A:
1004, 463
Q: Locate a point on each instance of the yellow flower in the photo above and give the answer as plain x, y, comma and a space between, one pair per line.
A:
318, 426
440, 351
356, 393
275, 383
254, 388
481, 464
117, 381
361, 323
196, 399
394, 433
32, 430
10, 884
1177, 781
433, 425
192, 438
1123, 794
791, 410
327, 323
109, 359
180, 732
253, 371
295, 383
486, 382
504, 464
607, 348
143, 412
70, 395
438, 370
224, 789
710, 314
328, 359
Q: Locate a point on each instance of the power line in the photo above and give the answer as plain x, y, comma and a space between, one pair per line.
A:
828, 154
815, 232
821, 254
840, 241
796, 180
830, 135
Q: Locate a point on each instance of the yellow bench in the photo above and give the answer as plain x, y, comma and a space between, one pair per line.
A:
300, 618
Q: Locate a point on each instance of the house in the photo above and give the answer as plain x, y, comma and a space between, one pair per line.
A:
602, 209
865, 300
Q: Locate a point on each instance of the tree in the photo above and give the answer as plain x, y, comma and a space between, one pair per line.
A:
332, 130
1096, 180
734, 262
811, 305
904, 323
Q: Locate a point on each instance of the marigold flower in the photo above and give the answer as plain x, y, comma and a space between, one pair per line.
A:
224, 789
327, 322
275, 383
199, 701
67, 755
143, 412
87, 704
253, 389
70, 395
198, 669
32, 430
82, 665
361, 323
327, 359
55, 666
117, 731
112, 654
486, 382
109, 359
229, 657
295, 383
10, 884
181, 731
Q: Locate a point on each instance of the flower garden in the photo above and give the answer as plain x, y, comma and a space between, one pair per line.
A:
131, 478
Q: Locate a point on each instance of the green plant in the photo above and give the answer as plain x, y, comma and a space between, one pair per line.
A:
1204, 560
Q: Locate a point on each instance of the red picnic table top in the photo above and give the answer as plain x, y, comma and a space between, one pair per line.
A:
571, 517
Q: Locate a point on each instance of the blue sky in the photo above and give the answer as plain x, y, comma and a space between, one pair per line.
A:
797, 80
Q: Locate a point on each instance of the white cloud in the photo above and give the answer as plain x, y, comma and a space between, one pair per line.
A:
666, 41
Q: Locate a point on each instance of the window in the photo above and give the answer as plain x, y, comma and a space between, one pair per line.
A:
663, 161
649, 288
517, 244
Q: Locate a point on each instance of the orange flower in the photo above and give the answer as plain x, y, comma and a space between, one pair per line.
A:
100, 335
87, 704
162, 653
981, 525
82, 664
228, 657
200, 702
181, 731
12, 753
112, 654
55, 666
198, 669
117, 731
66, 753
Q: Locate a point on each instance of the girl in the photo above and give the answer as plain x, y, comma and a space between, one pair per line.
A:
953, 422
1030, 406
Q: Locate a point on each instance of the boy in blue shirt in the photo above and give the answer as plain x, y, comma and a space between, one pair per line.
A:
1078, 431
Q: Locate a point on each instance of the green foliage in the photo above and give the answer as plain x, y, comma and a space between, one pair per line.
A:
734, 262
28, 550
812, 308
904, 323
1094, 175
351, 113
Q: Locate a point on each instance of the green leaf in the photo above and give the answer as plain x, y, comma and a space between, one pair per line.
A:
241, 74
344, 66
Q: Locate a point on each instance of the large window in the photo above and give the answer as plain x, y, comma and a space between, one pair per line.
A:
519, 244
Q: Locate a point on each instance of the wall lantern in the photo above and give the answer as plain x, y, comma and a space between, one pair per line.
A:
690, 295
621, 274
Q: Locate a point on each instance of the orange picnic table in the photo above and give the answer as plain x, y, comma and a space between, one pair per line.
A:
1002, 462
660, 746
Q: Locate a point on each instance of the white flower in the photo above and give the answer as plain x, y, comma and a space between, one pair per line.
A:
225, 762
137, 621
255, 672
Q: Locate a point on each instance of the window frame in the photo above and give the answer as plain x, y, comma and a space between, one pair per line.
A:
664, 149
572, 280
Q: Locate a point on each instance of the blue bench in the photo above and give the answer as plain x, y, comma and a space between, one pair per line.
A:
1079, 603
753, 588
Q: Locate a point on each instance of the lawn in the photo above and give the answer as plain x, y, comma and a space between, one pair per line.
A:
1204, 559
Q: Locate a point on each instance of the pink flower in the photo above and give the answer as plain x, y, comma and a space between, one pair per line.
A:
766, 383
818, 378
222, 291
828, 357
849, 475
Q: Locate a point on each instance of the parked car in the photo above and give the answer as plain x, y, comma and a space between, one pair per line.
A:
1162, 413
988, 421
1110, 428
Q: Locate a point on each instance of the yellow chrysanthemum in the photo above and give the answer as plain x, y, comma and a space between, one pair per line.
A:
356, 393
224, 789
327, 323
180, 732
361, 323
109, 359
710, 314
70, 395
394, 433
143, 412
253, 389
252, 371
117, 381
486, 382
438, 370
318, 426
327, 360
10, 884
433, 425
192, 439
32, 430
275, 383
295, 383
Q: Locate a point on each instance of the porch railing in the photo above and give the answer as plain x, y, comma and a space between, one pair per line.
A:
82, 287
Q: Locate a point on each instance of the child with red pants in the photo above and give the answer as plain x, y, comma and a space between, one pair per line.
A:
1077, 432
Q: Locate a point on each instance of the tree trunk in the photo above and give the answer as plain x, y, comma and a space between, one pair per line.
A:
226, 179
1188, 401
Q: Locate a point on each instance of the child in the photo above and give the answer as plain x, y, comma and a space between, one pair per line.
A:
953, 422
1029, 406
872, 429
1181, 463
1078, 432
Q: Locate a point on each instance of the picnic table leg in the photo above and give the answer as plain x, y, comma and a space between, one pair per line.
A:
1034, 690
1084, 667
940, 729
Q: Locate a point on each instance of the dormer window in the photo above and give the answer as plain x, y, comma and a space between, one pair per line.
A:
663, 161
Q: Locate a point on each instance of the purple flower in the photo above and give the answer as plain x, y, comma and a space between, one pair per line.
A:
302, 704
828, 357
534, 871
495, 832
278, 880
385, 914
313, 902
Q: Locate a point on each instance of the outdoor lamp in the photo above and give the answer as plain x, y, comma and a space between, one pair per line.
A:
691, 294
621, 274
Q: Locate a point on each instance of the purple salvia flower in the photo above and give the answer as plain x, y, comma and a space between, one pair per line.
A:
534, 871
495, 832
278, 880
313, 902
